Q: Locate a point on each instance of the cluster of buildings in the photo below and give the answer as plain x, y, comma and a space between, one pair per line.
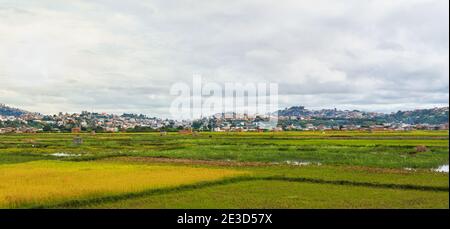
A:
382, 127
13, 124
301, 113
313, 122
86, 121
259, 127
290, 119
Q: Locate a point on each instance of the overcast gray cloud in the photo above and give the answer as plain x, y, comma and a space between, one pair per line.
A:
123, 56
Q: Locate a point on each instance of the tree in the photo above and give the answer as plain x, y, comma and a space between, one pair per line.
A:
47, 128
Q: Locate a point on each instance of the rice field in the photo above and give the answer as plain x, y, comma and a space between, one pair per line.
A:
42, 182
284, 194
333, 169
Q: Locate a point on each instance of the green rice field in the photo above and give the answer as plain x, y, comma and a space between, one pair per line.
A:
309, 169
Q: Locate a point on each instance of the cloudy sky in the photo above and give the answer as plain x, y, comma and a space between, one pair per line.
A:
123, 56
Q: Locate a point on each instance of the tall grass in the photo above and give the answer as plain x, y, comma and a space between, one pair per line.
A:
41, 182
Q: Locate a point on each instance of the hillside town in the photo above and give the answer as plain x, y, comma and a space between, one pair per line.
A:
13, 120
86, 121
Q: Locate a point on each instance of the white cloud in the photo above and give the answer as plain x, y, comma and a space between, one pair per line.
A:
119, 56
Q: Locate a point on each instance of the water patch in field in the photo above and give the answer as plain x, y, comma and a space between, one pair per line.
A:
301, 163
442, 169
409, 169
65, 155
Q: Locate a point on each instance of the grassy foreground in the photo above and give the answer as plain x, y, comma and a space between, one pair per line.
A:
48, 182
225, 170
284, 194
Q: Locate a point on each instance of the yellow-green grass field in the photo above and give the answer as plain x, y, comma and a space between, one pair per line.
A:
284, 194
332, 169
281, 186
44, 182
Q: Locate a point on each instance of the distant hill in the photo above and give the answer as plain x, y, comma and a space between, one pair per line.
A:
430, 116
420, 116
294, 111
10, 111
